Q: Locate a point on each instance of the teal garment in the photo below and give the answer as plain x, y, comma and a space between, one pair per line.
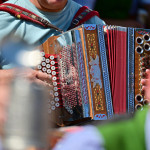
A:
34, 33
127, 134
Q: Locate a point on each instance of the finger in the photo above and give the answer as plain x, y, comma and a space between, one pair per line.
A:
143, 81
143, 88
43, 83
43, 76
148, 73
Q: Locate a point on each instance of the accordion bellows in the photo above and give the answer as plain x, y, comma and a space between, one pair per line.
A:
96, 72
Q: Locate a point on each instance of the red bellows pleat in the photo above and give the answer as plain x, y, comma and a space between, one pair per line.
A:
116, 46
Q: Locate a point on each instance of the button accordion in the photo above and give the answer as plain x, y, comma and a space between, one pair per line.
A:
96, 72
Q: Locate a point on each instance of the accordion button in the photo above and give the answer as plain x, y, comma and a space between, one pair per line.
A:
43, 58
53, 72
54, 83
139, 49
52, 62
43, 64
51, 92
48, 66
47, 60
66, 107
53, 107
56, 94
139, 107
146, 37
43, 54
56, 99
51, 57
55, 89
52, 102
71, 111
57, 104
44, 69
54, 78
39, 67
139, 97
53, 68
48, 71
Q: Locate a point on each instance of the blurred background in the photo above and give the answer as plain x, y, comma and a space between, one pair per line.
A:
126, 13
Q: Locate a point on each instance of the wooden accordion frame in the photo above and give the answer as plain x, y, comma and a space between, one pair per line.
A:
96, 72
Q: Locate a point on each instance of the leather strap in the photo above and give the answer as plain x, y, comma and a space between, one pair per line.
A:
82, 15
25, 14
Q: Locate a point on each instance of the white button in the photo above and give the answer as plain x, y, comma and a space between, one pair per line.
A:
43, 64
71, 111
54, 73
52, 62
53, 68
43, 58
57, 105
39, 67
48, 66
52, 102
54, 78
55, 89
56, 93
43, 54
67, 107
44, 69
55, 83
53, 107
51, 92
56, 99
48, 71
51, 57
47, 60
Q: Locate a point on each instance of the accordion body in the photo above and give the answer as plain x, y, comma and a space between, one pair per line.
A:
96, 72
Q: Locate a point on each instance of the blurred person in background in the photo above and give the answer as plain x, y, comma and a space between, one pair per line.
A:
144, 13
127, 133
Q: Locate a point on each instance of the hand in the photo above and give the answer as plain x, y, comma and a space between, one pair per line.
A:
146, 84
37, 76
32, 75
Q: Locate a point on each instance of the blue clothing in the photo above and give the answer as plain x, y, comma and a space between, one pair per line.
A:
34, 33
89, 138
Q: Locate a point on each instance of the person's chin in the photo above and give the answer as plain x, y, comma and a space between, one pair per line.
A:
55, 1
